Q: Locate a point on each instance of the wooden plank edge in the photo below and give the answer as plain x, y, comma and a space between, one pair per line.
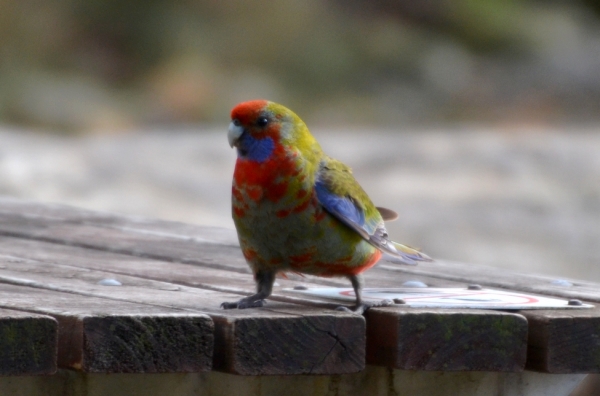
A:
446, 339
28, 343
281, 339
325, 344
564, 341
158, 343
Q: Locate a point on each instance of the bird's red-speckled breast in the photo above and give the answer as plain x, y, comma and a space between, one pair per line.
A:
269, 179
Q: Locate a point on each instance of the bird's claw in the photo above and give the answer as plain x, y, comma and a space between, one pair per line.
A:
361, 308
384, 303
243, 304
358, 309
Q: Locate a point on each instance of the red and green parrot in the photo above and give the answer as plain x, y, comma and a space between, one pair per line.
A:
297, 210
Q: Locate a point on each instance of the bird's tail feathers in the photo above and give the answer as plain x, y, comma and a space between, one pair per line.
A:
402, 254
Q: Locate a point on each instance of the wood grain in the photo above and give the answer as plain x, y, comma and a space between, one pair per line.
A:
28, 343
446, 339
499, 278
217, 248
133, 224
124, 241
194, 275
155, 344
563, 341
97, 335
172, 272
308, 345
209, 259
309, 341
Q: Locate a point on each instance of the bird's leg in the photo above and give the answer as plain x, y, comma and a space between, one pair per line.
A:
264, 287
357, 283
361, 306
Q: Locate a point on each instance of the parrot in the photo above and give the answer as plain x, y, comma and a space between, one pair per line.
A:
295, 209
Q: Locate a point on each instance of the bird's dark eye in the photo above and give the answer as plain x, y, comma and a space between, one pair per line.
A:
262, 121
236, 122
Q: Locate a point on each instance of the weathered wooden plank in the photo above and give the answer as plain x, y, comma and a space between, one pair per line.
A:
97, 335
171, 272
190, 275
283, 339
109, 232
564, 341
271, 345
124, 240
115, 234
210, 246
500, 278
446, 340
155, 344
28, 343
490, 335
133, 224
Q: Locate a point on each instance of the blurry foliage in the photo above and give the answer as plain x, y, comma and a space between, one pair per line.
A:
103, 64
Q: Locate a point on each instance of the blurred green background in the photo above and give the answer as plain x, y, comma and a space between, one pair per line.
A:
477, 120
85, 65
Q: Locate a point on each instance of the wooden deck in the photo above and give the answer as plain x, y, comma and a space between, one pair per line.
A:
58, 309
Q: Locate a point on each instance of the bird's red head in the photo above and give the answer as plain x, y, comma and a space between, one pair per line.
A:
258, 127
247, 112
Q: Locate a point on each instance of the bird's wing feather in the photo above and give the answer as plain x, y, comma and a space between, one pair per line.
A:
341, 195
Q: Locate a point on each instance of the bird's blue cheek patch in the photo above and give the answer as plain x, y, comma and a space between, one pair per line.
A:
253, 149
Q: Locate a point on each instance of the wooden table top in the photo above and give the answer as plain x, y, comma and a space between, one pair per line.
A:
58, 309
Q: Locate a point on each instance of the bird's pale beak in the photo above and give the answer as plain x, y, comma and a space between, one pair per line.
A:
235, 131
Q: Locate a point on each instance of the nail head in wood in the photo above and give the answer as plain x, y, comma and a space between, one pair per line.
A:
414, 283
109, 282
561, 282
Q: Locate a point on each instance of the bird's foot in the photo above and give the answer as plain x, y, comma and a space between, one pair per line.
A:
361, 308
243, 304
